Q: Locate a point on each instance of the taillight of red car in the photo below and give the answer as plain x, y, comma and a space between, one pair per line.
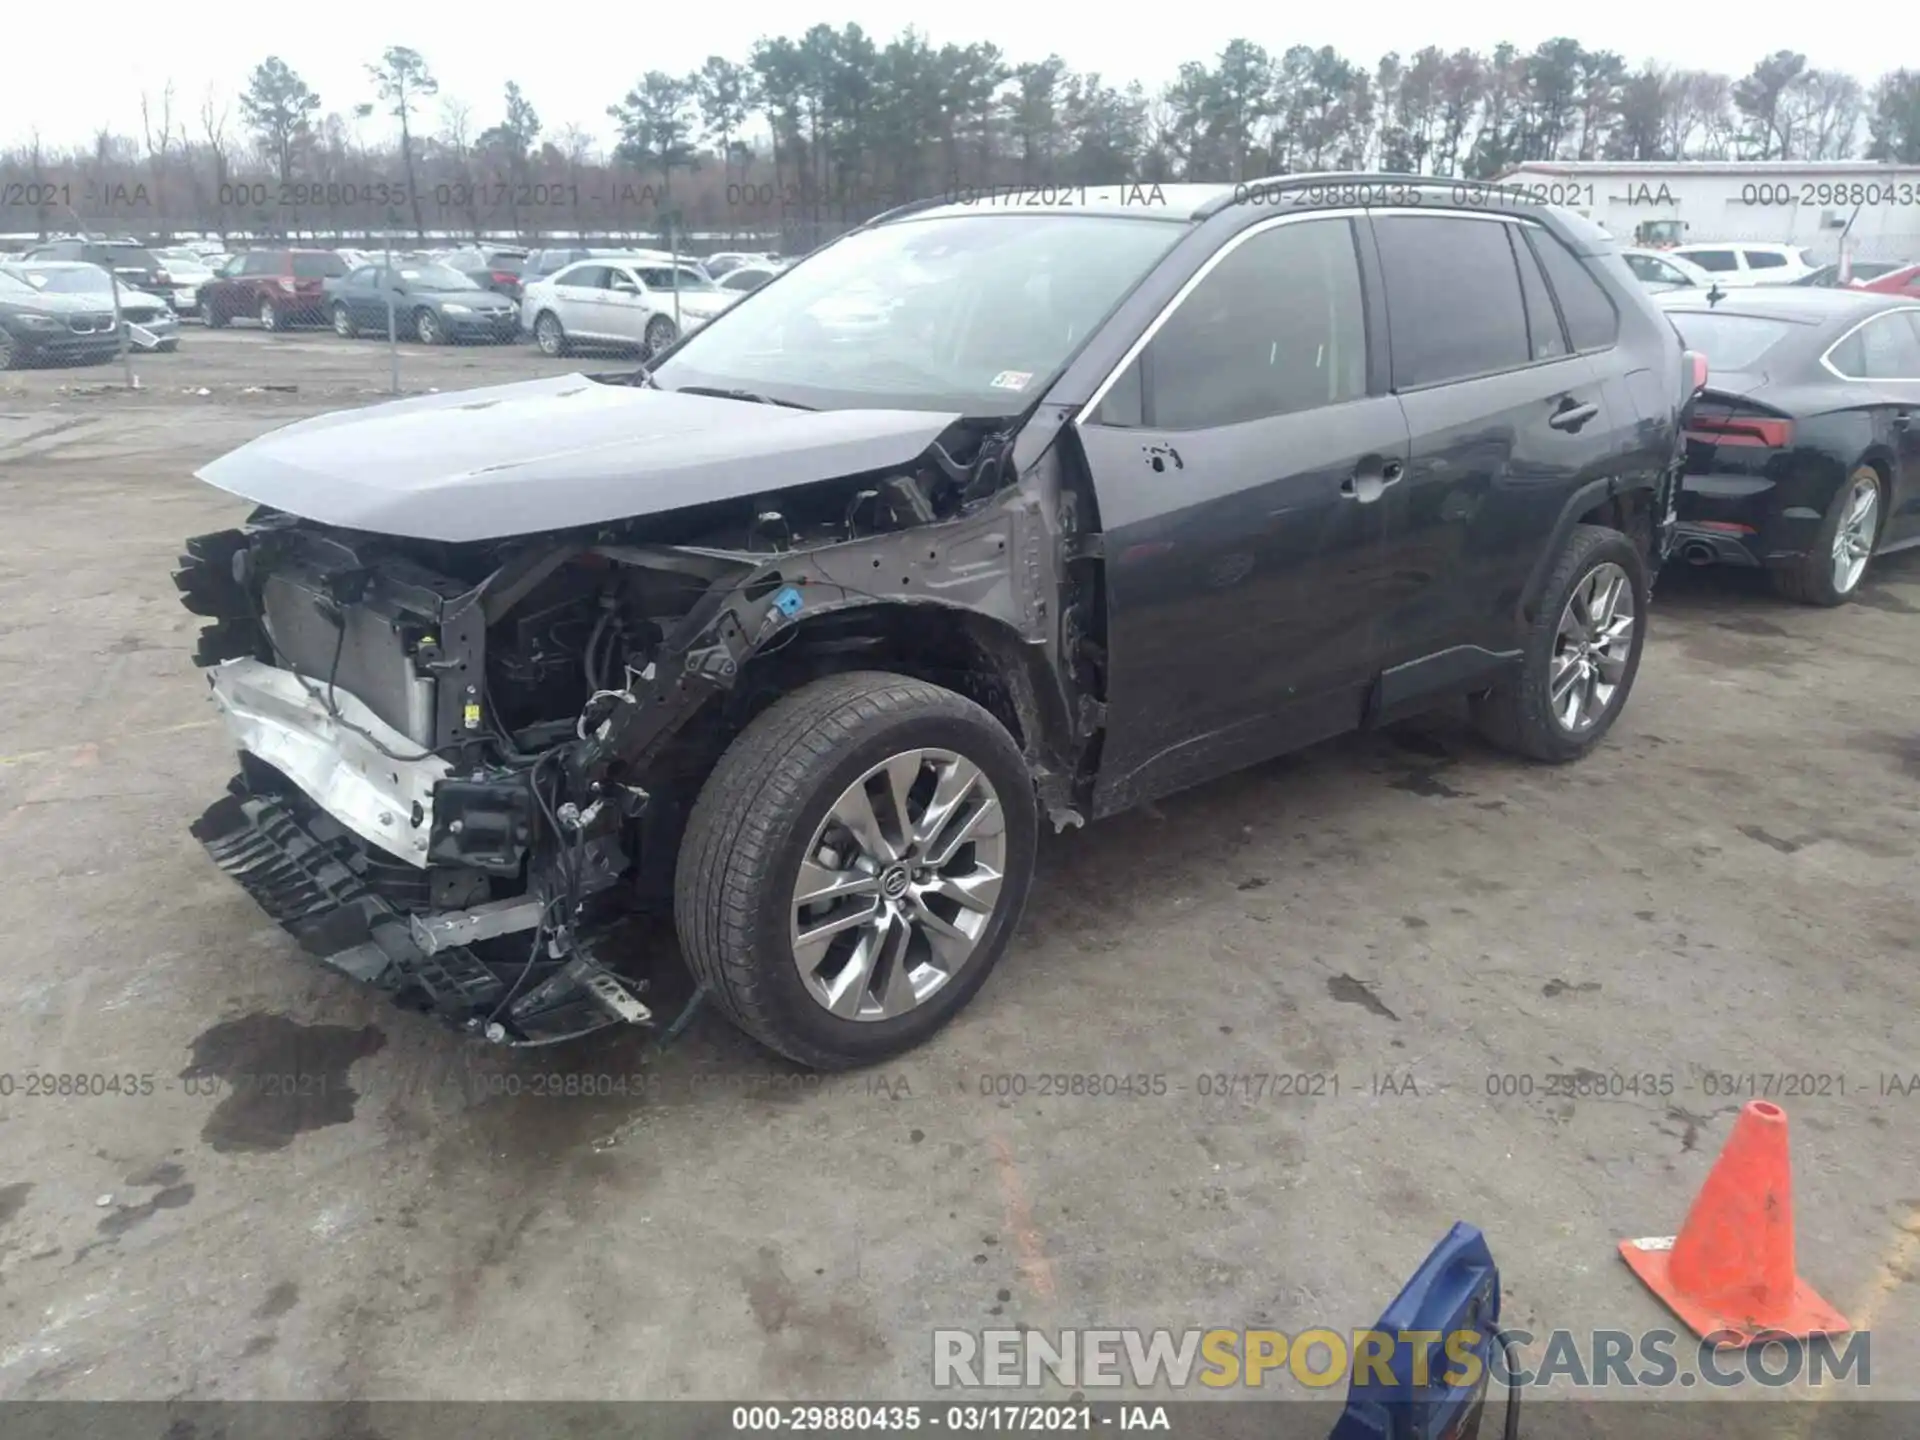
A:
1697, 367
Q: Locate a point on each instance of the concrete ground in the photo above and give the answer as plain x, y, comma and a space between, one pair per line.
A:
1723, 894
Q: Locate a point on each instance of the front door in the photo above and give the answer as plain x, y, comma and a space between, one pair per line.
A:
1239, 461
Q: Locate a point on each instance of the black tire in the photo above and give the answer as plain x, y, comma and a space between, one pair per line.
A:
212, 316
270, 317
1810, 580
343, 322
10, 356
550, 335
1516, 715
758, 812
660, 333
427, 328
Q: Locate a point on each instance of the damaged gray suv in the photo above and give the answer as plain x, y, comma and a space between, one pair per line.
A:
984, 516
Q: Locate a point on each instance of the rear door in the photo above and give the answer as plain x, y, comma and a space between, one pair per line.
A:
1239, 455
1507, 421
1881, 360
577, 295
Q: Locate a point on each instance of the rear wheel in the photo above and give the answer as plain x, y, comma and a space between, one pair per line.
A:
270, 318
212, 316
549, 335
1831, 571
1580, 655
855, 866
343, 325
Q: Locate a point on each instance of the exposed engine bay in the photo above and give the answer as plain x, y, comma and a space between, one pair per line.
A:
465, 763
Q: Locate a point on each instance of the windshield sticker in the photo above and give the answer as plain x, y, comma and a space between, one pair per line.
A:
1012, 379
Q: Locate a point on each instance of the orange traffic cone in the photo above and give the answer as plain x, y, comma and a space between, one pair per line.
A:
1729, 1274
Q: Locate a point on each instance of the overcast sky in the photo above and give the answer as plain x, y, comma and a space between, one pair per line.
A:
71, 72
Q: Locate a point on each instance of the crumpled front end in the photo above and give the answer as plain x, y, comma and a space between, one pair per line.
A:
464, 762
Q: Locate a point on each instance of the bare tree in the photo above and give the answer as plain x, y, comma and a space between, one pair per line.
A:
158, 135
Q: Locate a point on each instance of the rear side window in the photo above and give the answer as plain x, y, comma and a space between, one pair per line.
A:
1765, 260
1886, 348
1718, 261
1543, 322
318, 267
1592, 323
1454, 306
1276, 328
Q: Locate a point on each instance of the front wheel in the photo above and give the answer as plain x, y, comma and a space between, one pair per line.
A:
9, 351
855, 866
1830, 572
426, 328
660, 333
343, 325
1580, 655
270, 317
212, 316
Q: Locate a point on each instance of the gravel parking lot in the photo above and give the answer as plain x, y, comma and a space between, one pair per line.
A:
1722, 895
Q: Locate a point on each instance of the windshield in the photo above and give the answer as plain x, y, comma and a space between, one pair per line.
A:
1731, 342
435, 277
82, 280
12, 284
974, 313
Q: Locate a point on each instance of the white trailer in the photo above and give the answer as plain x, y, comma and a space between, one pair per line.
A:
1811, 204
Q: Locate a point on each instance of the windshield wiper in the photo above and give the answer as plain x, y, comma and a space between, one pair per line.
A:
719, 393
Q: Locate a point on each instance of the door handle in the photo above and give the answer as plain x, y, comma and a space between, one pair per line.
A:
1903, 419
1366, 485
1572, 415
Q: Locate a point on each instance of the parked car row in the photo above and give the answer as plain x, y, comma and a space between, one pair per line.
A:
63, 310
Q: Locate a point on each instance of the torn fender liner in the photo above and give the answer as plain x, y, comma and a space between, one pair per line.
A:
552, 454
384, 800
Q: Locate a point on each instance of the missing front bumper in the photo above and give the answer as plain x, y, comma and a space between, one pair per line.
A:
324, 886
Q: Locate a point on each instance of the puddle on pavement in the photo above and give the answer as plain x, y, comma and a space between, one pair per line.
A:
277, 1078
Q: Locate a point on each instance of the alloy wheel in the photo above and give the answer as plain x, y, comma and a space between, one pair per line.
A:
1853, 541
660, 334
547, 331
342, 322
1591, 648
898, 885
269, 317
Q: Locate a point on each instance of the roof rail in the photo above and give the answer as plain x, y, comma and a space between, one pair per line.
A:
932, 202
1272, 184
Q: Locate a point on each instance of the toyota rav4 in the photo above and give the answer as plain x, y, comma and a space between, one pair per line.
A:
804, 629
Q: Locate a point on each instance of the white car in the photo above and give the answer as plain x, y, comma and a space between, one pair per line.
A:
628, 301
186, 273
1661, 270
1740, 263
745, 279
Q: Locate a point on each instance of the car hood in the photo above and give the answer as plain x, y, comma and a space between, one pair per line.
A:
553, 454
60, 303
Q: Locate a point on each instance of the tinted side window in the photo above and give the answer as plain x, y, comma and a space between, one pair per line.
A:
1884, 349
318, 267
587, 277
261, 262
1549, 341
1276, 327
1765, 260
1585, 305
1454, 307
1718, 261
